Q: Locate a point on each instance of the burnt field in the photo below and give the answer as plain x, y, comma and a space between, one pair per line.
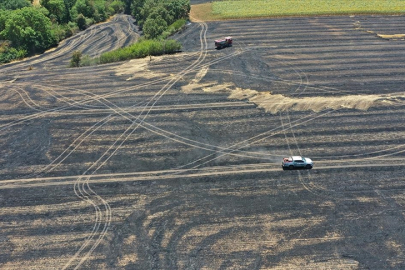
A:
173, 162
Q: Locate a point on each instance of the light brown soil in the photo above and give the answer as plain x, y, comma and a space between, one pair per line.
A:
202, 12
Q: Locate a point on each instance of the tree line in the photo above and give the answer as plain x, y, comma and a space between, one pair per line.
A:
26, 29
155, 16
158, 19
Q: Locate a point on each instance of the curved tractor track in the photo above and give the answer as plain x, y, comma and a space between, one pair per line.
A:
119, 32
173, 162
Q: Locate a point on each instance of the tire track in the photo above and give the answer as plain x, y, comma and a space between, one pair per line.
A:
198, 142
82, 190
297, 92
83, 194
231, 149
28, 99
149, 127
181, 174
78, 41
104, 96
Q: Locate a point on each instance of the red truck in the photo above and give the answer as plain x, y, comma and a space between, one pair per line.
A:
222, 43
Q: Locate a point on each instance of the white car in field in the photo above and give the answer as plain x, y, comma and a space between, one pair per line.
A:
297, 162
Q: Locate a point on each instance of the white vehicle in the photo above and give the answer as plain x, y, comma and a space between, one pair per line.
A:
297, 162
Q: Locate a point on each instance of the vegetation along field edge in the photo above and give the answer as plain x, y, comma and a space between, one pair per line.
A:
28, 28
234, 9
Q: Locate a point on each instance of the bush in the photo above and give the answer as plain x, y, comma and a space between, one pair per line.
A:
88, 61
89, 21
178, 24
71, 29
76, 59
173, 28
156, 48
172, 46
10, 54
141, 49
59, 32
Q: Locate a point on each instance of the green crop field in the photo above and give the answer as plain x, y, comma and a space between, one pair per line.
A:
229, 9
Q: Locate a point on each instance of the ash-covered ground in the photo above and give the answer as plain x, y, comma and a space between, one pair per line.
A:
173, 162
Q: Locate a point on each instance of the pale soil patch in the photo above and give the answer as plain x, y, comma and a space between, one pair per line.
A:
364, 199
206, 87
202, 12
137, 68
210, 87
357, 26
275, 103
278, 103
397, 248
127, 259
200, 74
216, 87
395, 36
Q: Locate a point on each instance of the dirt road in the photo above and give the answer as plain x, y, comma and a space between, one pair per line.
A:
174, 163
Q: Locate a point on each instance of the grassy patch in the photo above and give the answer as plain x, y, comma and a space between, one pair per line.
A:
233, 9
141, 49
173, 28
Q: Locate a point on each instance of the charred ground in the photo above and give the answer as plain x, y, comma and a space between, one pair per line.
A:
174, 163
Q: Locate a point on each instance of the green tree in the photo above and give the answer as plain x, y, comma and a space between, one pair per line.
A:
81, 21
154, 27
128, 4
68, 5
4, 14
136, 6
169, 10
14, 4
160, 11
100, 12
179, 9
85, 7
117, 6
30, 29
56, 8
137, 11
